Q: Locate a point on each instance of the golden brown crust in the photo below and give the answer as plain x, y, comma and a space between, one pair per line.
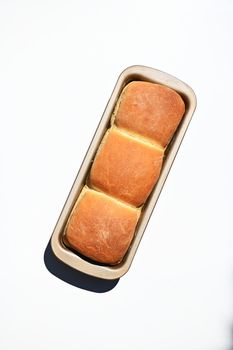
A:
125, 167
101, 227
149, 109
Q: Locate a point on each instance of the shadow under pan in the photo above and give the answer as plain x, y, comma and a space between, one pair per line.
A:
75, 277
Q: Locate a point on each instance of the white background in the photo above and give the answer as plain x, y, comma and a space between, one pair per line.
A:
59, 61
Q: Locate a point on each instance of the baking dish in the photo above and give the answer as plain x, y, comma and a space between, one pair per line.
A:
60, 249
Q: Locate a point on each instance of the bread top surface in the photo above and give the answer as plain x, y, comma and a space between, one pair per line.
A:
126, 167
151, 110
101, 227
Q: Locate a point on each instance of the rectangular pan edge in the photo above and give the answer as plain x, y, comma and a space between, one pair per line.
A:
62, 252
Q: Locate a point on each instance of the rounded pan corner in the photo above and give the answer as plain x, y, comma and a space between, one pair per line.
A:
193, 98
162, 77
190, 94
77, 263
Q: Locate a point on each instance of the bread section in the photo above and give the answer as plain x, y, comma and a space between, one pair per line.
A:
151, 110
125, 169
101, 227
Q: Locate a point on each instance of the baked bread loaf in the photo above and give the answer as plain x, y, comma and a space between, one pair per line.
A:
101, 227
151, 110
126, 167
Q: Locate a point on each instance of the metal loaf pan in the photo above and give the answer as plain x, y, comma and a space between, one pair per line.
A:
68, 256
